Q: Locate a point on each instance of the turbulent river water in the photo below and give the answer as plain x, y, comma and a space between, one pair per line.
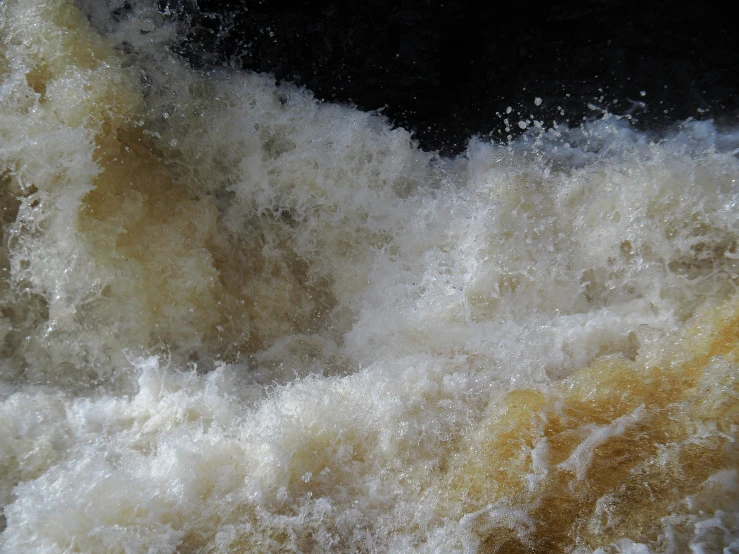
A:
236, 319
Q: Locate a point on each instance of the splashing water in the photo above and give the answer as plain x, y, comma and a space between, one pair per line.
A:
234, 319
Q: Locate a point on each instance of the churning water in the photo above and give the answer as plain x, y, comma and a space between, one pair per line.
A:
235, 319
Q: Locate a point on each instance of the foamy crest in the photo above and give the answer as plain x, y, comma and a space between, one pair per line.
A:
236, 319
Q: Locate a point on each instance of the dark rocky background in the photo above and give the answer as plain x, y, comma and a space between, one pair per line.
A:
447, 70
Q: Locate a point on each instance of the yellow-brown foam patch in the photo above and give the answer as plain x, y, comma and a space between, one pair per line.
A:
607, 453
170, 276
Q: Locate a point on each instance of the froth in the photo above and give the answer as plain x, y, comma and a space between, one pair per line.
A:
236, 319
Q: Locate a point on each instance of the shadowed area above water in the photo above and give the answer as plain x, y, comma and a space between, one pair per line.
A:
448, 70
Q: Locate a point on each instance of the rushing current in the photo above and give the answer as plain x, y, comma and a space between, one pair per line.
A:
237, 319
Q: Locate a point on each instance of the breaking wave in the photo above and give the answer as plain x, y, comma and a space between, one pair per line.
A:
236, 319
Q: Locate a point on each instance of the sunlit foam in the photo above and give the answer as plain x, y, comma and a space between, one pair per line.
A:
235, 319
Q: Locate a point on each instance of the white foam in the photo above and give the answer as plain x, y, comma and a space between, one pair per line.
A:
277, 332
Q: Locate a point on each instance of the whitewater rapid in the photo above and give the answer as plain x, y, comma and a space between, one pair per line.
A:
237, 319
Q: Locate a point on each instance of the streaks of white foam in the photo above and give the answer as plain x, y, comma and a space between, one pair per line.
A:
579, 460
